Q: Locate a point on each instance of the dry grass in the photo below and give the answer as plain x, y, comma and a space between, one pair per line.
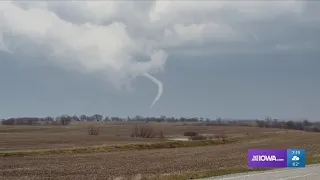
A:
146, 160
143, 132
93, 130
190, 133
114, 148
198, 137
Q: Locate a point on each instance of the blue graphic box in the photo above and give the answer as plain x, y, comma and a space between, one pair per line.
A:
296, 158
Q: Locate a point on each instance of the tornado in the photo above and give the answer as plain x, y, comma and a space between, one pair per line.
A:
159, 84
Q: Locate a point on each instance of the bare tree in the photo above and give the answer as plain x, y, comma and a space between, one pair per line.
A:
65, 119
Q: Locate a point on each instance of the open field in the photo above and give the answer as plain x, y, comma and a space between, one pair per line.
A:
76, 135
129, 163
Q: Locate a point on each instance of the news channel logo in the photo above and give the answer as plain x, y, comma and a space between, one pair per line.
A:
276, 158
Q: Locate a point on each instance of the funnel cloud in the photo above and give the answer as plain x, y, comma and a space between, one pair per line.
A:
119, 41
160, 87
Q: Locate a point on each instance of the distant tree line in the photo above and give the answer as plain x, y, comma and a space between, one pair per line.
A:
268, 122
303, 125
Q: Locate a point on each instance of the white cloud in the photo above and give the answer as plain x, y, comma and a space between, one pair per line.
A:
2, 46
295, 158
88, 47
249, 10
203, 31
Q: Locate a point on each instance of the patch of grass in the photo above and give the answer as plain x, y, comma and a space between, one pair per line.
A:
113, 148
190, 133
198, 137
23, 129
93, 130
221, 172
143, 132
204, 174
313, 159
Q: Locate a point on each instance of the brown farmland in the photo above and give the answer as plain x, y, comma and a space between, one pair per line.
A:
76, 135
131, 163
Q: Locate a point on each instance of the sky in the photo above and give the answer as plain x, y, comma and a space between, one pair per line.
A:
228, 59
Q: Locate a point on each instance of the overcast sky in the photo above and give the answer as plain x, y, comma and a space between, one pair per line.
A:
229, 59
